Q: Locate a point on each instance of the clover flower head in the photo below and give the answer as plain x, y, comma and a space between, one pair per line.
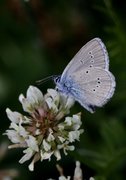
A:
46, 129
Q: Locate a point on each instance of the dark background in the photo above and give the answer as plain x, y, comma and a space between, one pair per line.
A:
37, 39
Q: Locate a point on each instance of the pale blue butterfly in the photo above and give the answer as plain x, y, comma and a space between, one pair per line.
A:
87, 78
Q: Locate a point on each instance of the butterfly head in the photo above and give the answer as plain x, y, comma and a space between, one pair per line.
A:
57, 81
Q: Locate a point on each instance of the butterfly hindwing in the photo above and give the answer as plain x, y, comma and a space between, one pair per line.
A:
92, 87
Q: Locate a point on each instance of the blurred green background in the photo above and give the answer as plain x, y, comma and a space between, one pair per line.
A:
37, 39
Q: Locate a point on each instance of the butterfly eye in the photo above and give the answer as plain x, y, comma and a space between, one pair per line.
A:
57, 79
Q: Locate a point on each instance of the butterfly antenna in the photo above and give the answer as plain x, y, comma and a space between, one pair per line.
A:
41, 81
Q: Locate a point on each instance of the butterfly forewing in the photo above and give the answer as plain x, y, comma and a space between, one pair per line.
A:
92, 87
93, 54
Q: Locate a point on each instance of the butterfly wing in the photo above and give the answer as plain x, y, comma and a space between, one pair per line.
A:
92, 54
92, 87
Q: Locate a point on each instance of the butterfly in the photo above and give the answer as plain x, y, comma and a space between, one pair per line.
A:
87, 78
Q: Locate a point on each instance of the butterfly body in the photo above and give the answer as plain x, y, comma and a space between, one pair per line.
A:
87, 78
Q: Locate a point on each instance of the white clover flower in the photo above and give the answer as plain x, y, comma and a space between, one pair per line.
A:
78, 174
28, 154
74, 135
46, 146
66, 147
64, 178
46, 129
57, 154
